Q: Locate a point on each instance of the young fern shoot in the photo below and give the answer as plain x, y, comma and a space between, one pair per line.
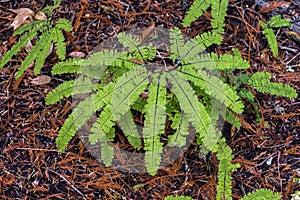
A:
48, 33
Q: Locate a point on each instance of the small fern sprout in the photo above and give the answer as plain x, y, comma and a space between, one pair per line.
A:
274, 22
48, 33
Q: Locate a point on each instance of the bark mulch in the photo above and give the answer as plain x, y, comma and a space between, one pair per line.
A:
268, 151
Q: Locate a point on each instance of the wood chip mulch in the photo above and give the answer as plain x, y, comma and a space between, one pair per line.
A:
268, 152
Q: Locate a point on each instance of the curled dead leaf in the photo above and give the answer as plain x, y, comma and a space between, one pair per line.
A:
40, 16
22, 15
41, 80
77, 54
28, 46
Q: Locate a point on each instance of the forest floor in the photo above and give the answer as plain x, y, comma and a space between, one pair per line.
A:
268, 151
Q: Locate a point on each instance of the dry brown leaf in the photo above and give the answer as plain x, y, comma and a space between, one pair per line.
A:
77, 54
40, 16
41, 80
22, 15
28, 46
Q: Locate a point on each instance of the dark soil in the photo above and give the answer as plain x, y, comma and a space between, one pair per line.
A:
31, 167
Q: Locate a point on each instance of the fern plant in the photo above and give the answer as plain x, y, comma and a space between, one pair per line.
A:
274, 22
130, 79
47, 33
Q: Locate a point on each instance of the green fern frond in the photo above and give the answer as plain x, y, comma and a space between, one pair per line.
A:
155, 119
194, 110
277, 22
224, 155
63, 24
107, 153
261, 82
68, 66
139, 104
129, 40
177, 44
128, 88
75, 121
78, 86
103, 132
59, 41
198, 44
271, 38
129, 129
34, 26
38, 54
81, 114
232, 119
195, 11
17, 47
181, 126
177, 198
144, 53
213, 86
102, 58
218, 13
229, 62
48, 10
262, 194
49, 34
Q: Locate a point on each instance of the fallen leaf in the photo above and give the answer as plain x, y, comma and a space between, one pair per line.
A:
40, 80
22, 15
77, 54
28, 46
40, 16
